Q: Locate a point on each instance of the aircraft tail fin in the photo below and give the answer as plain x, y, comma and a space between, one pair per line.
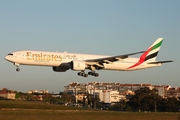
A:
151, 53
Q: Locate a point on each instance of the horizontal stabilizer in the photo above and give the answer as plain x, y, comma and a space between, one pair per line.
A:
161, 62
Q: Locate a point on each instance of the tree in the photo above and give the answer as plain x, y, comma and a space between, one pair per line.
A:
170, 104
145, 100
67, 98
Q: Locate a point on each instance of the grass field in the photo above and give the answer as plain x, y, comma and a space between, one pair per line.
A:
14, 110
33, 105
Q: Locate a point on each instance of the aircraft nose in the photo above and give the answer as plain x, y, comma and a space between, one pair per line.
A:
9, 57
6, 57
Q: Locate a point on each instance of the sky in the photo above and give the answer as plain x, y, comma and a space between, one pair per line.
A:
107, 27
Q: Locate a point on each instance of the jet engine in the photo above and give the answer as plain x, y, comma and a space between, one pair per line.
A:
62, 68
78, 65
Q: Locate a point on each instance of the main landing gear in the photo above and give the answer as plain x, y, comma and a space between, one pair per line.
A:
83, 74
93, 74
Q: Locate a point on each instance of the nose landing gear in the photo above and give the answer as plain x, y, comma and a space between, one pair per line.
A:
17, 65
17, 69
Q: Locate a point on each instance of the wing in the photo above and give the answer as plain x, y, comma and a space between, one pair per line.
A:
99, 62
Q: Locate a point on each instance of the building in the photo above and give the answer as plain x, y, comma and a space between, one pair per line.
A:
36, 91
124, 90
80, 97
43, 91
75, 88
32, 91
37, 97
161, 90
8, 94
174, 92
109, 96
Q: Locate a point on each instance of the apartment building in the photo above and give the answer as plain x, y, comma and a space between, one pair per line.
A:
161, 90
76, 88
109, 96
124, 90
174, 92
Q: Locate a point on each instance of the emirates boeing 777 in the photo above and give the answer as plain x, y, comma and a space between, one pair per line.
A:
62, 61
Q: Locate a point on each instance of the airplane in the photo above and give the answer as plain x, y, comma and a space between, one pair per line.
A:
63, 61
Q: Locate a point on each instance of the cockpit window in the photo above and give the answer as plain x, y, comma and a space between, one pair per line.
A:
10, 54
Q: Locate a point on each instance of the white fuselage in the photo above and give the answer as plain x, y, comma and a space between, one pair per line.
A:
43, 58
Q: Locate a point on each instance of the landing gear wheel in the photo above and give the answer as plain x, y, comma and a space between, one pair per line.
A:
17, 69
96, 75
93, 74
79, 73
89, 73
82, 74
85, 75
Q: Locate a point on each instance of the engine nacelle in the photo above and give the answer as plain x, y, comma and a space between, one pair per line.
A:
62, 68
78, 65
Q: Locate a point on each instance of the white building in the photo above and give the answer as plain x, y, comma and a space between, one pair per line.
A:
109, 96
75, 88
43, 91
32, 91
161, 90
36, 91
8, 95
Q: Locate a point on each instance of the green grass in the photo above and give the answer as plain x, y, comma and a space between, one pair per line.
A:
4, 104
23, 110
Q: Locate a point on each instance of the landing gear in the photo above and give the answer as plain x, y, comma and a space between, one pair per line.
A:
17, 65
83, 74
93, 74
17, 69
